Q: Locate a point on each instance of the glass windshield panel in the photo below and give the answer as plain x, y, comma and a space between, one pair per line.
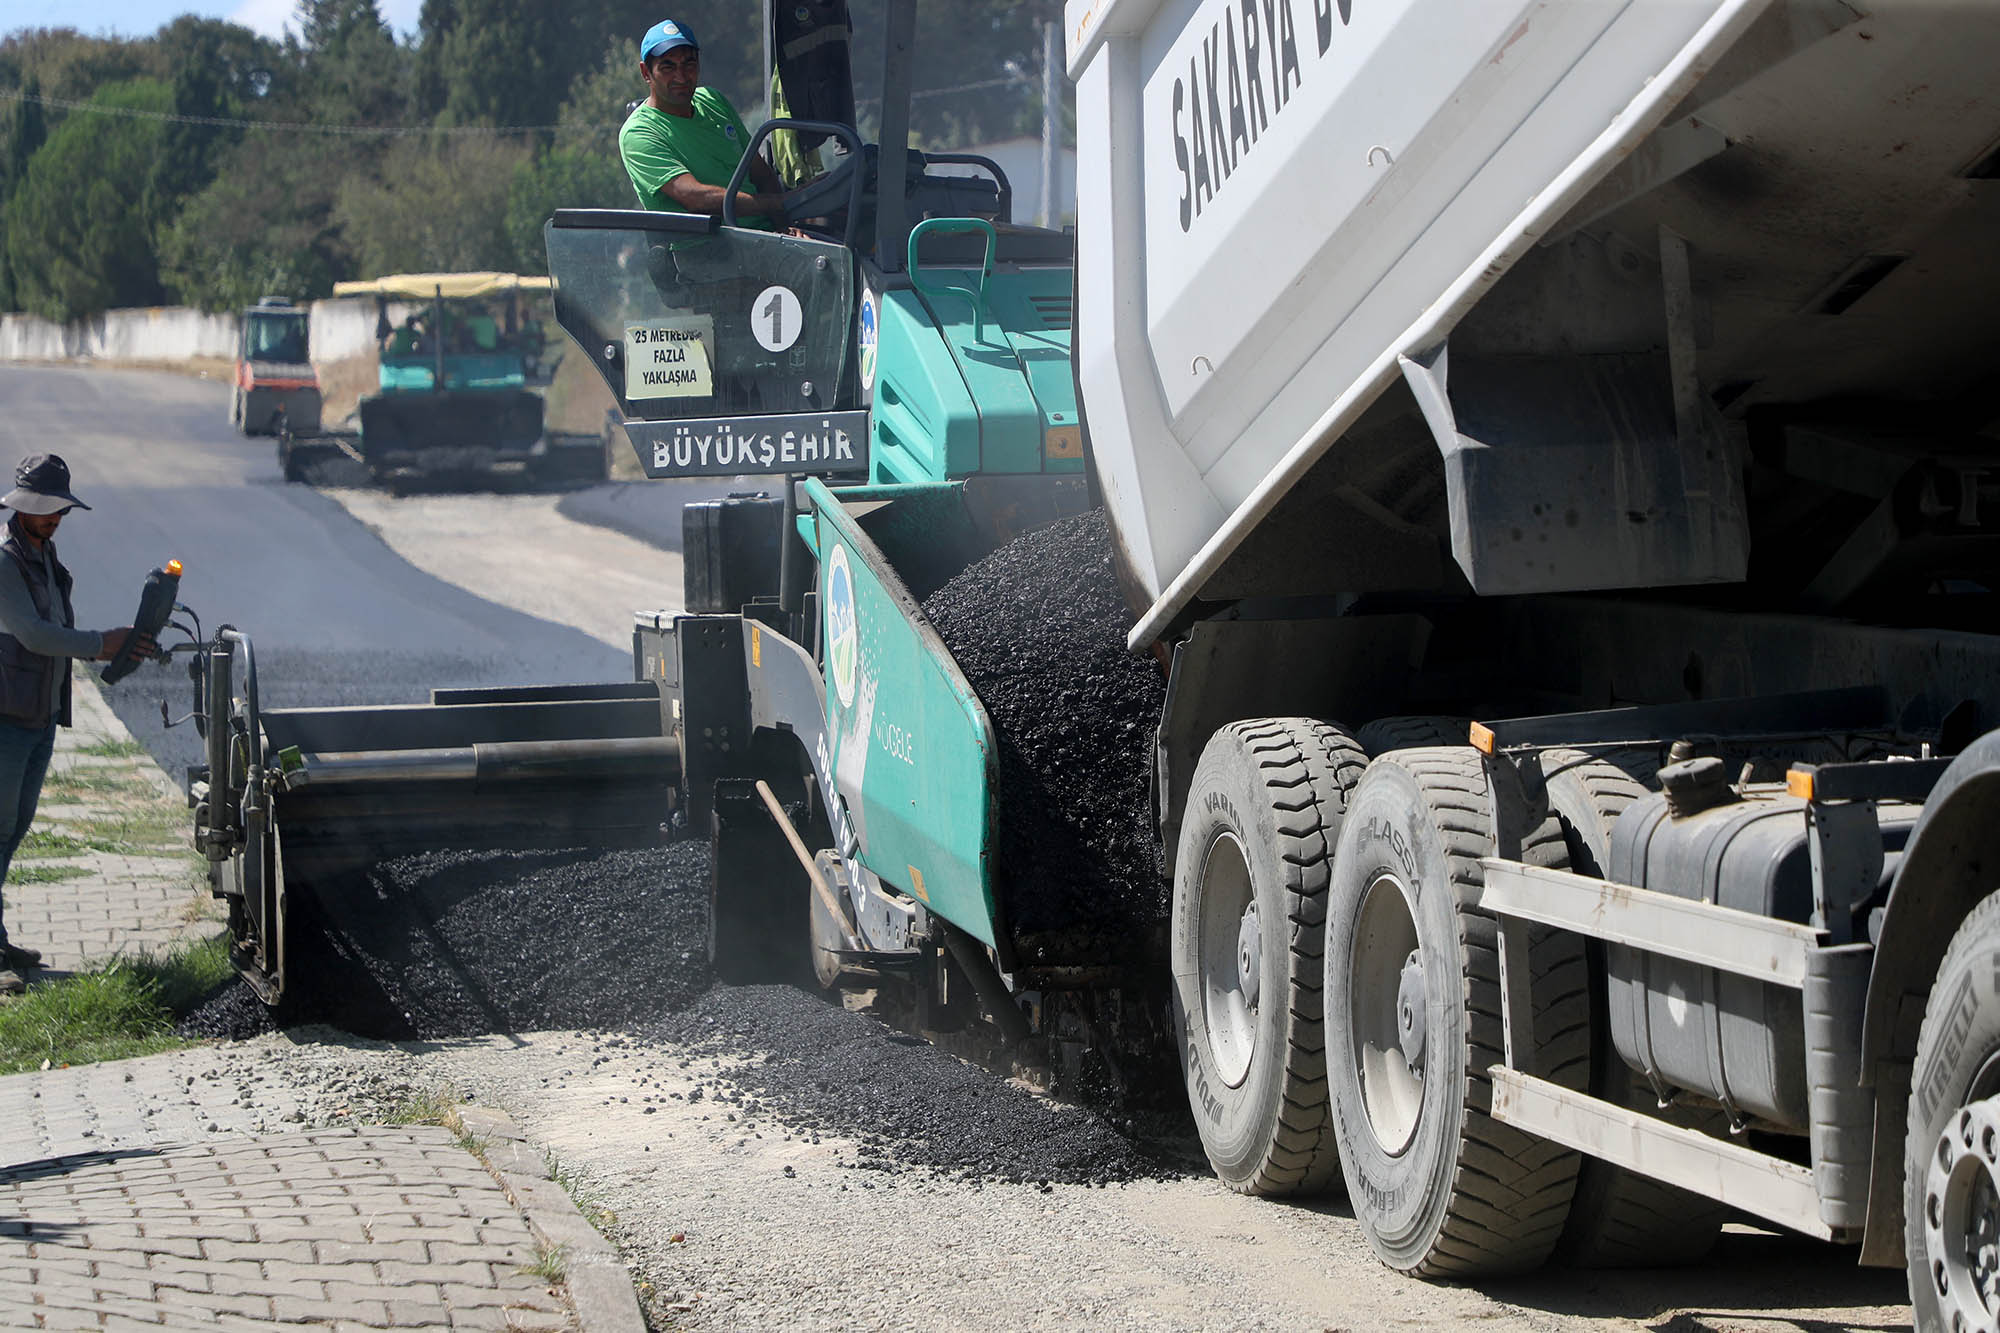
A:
732, 324
276, 338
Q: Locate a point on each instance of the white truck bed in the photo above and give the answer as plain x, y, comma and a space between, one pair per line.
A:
1287, 206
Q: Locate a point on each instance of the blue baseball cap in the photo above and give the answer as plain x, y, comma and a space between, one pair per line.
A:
665, 36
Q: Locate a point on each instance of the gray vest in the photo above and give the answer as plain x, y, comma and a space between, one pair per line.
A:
34, 688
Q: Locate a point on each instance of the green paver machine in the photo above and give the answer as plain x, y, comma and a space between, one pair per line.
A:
462, 356
899, 367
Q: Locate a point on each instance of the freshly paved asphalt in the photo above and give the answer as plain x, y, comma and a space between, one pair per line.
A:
337, 616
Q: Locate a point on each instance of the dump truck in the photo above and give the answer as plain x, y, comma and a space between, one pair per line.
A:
1545, 449
1550, 445
460, 369
275, 388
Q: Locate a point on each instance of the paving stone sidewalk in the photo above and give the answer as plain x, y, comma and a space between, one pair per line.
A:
167, 1192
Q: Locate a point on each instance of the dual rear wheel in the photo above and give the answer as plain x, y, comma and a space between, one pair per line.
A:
1337, 987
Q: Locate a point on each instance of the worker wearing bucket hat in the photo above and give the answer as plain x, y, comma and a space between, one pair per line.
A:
38, 637
681, 146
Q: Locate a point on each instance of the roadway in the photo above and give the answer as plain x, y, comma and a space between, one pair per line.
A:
337, 614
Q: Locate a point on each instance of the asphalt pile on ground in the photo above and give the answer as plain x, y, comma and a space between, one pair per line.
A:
1039, 629
909, 1105
464, 943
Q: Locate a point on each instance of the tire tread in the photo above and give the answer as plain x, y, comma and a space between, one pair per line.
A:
1307, 768
1510, 1191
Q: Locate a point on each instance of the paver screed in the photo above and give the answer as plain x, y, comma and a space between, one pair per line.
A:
143, 1193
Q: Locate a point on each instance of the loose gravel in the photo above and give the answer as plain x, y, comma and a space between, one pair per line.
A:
909, 1105
1039, 628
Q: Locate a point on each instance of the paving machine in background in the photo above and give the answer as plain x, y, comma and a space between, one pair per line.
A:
463, 360
275, 389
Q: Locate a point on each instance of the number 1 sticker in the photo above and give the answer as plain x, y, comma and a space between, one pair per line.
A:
777, 318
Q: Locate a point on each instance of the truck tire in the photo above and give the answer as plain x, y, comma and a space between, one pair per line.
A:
1954, 1121
1249, 906
1413, 1020
1403, 733
1619, 1218
759, 898
236, 411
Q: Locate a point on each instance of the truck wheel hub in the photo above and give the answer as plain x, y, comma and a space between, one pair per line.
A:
1231, 959
1962, 1217
1249, 956
1385, 996
1411, 1024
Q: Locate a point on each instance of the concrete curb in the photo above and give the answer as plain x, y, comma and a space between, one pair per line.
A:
597, 1281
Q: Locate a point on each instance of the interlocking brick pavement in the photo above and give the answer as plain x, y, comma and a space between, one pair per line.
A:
277, 1228
167, 1191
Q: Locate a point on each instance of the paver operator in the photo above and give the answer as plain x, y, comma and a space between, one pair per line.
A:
681, 146
38, 637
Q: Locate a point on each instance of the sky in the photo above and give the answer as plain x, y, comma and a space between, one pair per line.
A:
142, 18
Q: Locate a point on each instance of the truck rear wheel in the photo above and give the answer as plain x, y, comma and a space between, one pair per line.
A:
1413, 1020
1951, 1157
1249, 905
1620, 1218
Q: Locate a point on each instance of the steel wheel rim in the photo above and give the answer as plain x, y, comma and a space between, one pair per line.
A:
1385, 944
1229, 1000
1962, 1218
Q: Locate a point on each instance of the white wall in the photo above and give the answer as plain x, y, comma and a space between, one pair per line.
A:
158, 333
340, 329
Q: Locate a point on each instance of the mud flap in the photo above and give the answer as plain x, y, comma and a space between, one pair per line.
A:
760, 912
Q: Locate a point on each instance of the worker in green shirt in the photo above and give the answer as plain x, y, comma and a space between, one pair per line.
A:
682, 144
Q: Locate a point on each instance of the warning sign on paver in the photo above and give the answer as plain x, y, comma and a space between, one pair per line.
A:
669, 358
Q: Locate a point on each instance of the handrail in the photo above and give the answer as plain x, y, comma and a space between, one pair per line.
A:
978, 298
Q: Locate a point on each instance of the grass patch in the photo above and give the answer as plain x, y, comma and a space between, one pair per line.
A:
146, 832
124, 1008
434, 1106
551, 1264
90, 782
112, 749
573, 1184
40, 844
20, 874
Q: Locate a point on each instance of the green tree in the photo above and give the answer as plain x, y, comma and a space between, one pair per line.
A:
435, 207
264, 225
354, 72
77, 238
24, 131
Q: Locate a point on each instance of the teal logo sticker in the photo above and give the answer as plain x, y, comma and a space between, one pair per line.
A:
869, 337
843, 636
